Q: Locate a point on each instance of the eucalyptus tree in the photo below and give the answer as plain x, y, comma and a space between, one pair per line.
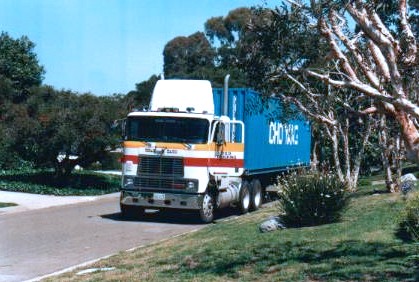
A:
188, 56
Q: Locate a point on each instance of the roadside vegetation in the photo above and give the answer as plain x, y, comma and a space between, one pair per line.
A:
362, 246
5, 205
87, 183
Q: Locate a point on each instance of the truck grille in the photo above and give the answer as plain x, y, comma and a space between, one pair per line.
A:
159, 183
160, 173
160, 166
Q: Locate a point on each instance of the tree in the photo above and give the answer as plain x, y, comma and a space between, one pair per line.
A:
188, 57
140, 97
377, 62
19, 66
70, 129
226, 35
312, 56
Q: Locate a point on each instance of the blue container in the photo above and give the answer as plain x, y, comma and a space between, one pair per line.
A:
272, 143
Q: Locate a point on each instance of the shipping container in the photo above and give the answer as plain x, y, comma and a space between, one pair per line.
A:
273, 142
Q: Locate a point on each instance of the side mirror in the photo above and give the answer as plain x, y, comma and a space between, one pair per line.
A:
220, 138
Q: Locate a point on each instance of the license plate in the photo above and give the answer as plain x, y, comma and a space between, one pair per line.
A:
159, 197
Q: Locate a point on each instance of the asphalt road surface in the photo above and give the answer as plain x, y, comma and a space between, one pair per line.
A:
39, 242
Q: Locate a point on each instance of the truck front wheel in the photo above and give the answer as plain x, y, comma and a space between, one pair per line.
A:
206, 212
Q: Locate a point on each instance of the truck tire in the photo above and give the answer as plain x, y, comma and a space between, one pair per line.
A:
244, 197
206, 212
130, 212
255, 195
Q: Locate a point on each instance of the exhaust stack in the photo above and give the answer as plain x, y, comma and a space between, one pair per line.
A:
225, 108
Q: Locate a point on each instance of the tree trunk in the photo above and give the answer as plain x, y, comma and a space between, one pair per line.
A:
410, 136
344, 132
315, 156
358, 157
335, 147
385, 154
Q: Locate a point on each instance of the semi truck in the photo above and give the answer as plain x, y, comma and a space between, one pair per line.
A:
203, 149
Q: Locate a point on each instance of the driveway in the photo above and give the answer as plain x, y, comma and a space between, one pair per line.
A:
46, 234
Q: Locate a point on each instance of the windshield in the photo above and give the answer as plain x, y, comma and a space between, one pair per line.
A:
167, 129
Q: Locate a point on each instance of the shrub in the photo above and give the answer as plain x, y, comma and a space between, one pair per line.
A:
409, 224
307, 200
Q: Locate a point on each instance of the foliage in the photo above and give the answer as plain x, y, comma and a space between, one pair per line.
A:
140, 97
361, 248
48, 183
409, 224
52, 123
188, 57
19, 66
5, 205
311, 199
211, 55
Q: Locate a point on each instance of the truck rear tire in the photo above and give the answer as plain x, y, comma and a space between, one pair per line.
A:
130, 212
255, 195
206, 212
244, 197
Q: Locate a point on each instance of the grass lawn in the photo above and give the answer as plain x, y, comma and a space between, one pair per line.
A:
363, 246
85, 183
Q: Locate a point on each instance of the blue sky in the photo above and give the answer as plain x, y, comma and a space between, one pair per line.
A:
107, 46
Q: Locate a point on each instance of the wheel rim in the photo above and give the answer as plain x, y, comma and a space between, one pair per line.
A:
257, 197
207, 206
246, 199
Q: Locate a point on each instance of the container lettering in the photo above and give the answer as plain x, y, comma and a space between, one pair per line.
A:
283, 134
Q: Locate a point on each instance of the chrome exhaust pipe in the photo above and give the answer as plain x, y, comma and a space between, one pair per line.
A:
225, 108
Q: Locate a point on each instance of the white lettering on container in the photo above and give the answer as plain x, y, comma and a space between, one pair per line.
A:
283, 134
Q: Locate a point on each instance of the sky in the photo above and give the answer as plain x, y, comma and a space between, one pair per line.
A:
107, 46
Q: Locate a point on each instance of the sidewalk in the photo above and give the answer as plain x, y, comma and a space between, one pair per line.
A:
26, 201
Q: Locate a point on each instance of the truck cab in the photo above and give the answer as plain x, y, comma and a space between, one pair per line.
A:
179, 155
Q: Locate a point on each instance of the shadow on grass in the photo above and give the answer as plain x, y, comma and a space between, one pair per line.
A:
349, 260
46, 182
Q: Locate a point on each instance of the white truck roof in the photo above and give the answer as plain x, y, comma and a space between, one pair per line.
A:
185, 95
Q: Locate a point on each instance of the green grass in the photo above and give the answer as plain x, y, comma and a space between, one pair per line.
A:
363, 246
5, 205
45, 182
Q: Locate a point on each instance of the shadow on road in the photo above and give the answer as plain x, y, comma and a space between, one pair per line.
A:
171, 216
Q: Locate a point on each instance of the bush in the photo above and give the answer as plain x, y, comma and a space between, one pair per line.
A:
307, 200
409, 224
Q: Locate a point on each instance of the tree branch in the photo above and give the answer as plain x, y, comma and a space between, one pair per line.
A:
399, 102
373, 79
409, 57
343, 60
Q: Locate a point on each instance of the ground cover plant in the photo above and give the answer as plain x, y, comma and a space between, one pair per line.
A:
409, 224
362, 246
5, 205
46, 182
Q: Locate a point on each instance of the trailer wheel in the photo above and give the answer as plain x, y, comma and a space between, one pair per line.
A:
256, 195
130, 212
206, 212
244, 197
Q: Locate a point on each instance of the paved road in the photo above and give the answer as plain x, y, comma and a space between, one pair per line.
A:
39, 242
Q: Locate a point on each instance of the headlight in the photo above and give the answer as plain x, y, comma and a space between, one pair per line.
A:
192, 185
128, 182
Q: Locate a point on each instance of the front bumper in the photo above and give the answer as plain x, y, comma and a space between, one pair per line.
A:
154, 200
